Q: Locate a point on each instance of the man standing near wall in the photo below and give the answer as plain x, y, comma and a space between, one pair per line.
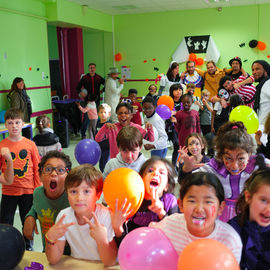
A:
91, 82
192, 76
260, 71
211, 77
235, 72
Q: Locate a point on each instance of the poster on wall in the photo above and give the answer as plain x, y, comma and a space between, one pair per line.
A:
196, 44
125, 72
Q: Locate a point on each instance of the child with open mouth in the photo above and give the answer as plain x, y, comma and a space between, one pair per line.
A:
158, 176
51, 198
253, 221
201, 201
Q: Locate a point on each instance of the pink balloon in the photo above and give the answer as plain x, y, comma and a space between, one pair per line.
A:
147, 249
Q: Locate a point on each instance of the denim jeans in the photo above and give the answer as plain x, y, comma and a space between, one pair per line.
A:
161, 153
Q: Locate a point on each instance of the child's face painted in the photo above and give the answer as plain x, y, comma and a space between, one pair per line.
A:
177, 93
259, 205
201, 208
191, 91
130, 156
53, 176
236, 160
155, 178
187, 102
83, 199
124, 116
194, 146
148, 108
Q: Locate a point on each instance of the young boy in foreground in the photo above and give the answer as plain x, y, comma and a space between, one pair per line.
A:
85, 225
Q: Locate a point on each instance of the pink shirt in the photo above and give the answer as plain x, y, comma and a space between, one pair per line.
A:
111, 134
175, 228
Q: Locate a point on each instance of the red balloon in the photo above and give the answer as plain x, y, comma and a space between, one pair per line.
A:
207, 254
118, 57
261, 46
192, 57
199, 61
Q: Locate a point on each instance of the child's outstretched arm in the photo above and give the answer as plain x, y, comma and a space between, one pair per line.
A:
107, 250
8, 176
54, 247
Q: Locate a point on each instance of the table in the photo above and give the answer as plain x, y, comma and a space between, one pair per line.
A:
4, 130
66, 263
69, 110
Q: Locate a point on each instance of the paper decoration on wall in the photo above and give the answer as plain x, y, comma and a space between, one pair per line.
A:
196, 44
192, 57
253, 43
261, 45
242, 45
145, 61
156, 68
199, 61
154, 59
30, 68
37, 69
125, 71
245, 60
118, 57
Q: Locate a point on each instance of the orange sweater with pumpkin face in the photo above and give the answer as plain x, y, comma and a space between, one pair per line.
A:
25, 162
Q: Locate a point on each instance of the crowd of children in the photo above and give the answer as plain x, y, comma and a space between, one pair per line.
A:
224, 181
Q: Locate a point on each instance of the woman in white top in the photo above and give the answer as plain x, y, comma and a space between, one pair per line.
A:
112, 91
170, 78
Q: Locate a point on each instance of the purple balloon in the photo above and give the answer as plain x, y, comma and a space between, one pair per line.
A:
146, 249
87, 151
163, 111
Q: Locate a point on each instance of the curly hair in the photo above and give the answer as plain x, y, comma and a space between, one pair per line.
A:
233, 135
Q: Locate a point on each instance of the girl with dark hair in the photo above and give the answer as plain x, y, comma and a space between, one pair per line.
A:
201, 202
170, 78
158, 176
253, 221
19, 99
233, 163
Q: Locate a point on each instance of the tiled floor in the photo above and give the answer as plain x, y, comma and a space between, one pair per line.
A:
69, 151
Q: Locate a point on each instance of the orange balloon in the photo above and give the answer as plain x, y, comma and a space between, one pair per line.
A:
207, 254
124, 183
118, 57
192, 57
261, 46
166, 100
199, 61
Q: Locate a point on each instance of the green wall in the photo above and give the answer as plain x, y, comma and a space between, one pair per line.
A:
150, 36
52, 42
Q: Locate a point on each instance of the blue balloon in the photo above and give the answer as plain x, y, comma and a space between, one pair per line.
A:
87, 151
163, 111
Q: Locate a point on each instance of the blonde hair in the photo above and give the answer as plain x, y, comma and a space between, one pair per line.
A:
104, 106
205, 92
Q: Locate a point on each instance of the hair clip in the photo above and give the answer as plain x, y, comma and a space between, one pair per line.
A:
233, 127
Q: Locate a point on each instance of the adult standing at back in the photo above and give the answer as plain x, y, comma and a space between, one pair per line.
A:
236, 71
260, 71
211, 77
112, 91
91, 82
19, 99
169, 79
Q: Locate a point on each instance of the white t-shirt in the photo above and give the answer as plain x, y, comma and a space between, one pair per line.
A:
218, 108
82, 245
175, 228
264, 102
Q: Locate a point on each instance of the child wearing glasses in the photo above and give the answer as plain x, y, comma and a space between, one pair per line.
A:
233, 163
25, 158
51, 198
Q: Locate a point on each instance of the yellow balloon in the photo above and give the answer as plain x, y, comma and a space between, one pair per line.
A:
246, 115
